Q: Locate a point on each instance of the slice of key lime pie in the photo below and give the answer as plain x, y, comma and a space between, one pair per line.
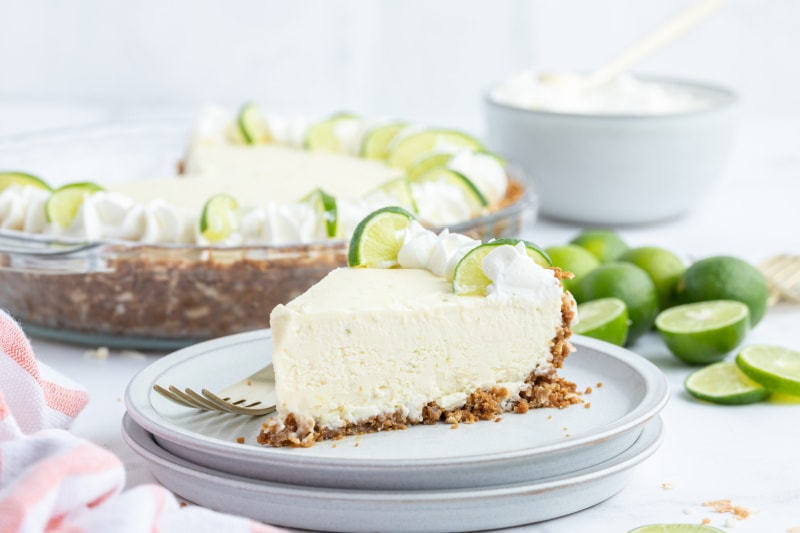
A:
419, 328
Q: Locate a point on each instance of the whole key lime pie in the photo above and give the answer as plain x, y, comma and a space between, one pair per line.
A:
419, 328
261, 201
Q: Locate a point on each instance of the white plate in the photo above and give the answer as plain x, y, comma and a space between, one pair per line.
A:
353, 510
537, 445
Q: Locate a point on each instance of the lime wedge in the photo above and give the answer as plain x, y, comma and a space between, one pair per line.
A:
605, 319
458, 180
322, 137
22, 179
774, 367
325, 206
703, 332
405, 150
468, 276
253, 125
378, 237
427, 163
63, 204
375, 144
219, 217
675, 528
724, 383
399, 189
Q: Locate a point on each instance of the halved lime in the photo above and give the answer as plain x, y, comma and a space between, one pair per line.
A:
724, 383
375, 144
405, 150
399, 189
703, 332
22, 179
725, 278
219, 217
63, 204
468, 276
775, 367
322, 136
427, 163
605, 319
456, 179
253, 125
325, 205
378, 237
605, 245
675, 528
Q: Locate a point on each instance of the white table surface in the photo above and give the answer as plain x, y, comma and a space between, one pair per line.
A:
747, 454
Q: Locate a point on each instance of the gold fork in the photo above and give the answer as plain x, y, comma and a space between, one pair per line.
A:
253, 395
783, 274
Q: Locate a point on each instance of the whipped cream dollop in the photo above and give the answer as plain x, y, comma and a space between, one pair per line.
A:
510, 269
624, 95
22, 208
484, 170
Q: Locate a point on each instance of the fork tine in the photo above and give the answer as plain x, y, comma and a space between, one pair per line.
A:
170, 396
202, 401
235, 407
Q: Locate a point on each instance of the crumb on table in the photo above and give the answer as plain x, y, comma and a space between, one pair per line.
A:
240, 440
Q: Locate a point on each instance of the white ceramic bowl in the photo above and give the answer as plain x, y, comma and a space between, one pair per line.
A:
618, 169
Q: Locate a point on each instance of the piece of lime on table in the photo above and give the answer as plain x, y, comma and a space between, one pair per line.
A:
219, 218
64, 203
724, 383
406, 149
774, 367
605, 319
377, 239
704, 332
22, 179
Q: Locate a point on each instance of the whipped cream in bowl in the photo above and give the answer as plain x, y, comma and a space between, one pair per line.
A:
635, 150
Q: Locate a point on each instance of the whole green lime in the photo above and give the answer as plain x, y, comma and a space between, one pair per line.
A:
664, 268
630, 284
575, 259
725, 278
606, 245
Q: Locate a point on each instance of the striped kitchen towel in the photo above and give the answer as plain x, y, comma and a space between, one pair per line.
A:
54, 481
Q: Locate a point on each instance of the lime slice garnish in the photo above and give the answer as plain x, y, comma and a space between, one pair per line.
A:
378, 237
322, 137
605, 319
703, 332
22, 179
399, 189
253, 125
468, 276
63, 204
375, 144
724, 383
427, 163
405, 150
325, 206
774, 367
219, 217
455, 179
675, 528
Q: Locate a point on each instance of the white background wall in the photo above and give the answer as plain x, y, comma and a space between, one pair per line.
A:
417, 59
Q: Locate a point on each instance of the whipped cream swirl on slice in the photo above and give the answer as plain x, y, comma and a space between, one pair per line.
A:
513, 273
440, 253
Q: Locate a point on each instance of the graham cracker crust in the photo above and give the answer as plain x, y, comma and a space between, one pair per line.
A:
541, 390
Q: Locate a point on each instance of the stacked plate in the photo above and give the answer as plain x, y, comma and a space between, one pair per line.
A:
526, 468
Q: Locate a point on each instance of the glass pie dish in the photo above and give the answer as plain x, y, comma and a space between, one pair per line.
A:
133, 295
